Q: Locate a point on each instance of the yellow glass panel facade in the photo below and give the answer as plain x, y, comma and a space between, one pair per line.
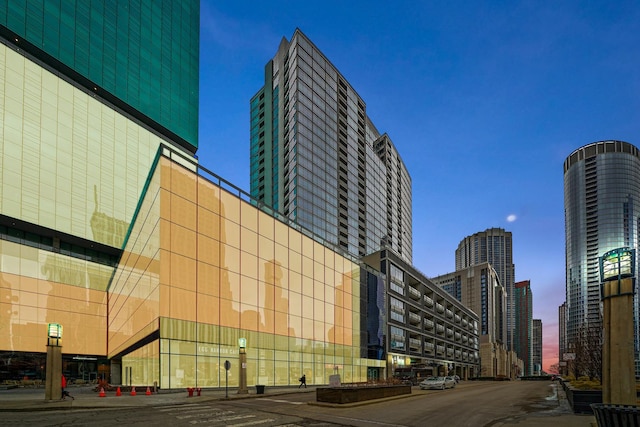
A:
220, 279
38, 287
69, 162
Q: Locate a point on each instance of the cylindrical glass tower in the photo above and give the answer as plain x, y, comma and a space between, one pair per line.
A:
601, 205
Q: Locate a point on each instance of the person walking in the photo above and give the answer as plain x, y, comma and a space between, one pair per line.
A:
65, 393
303, 381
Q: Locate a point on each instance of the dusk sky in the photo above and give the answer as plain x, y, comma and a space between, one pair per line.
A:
483, 100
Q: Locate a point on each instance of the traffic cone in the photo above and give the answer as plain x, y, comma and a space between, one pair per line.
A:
102, 393
148, 393
133, 391
118, 392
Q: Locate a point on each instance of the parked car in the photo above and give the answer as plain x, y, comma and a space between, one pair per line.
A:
437, 383
449, 382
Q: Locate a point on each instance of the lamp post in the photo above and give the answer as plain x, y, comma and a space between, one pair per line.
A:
617, 270
242, 386
53, 388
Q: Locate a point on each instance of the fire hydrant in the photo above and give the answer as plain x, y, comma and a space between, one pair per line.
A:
190, 391
198, 390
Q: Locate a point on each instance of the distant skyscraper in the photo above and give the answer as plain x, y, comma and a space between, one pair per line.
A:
523, 333
317, 158
494, 246
537, 346
602, 208
562, 331
479, 289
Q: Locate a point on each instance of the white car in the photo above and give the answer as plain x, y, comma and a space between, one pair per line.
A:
437, 383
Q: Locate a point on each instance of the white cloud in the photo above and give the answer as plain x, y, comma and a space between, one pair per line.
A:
511, 218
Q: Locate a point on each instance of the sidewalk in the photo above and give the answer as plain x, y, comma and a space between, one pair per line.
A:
33, 399
20, 399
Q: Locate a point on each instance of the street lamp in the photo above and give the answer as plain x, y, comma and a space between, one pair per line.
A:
617, 270
242, 386
53, 389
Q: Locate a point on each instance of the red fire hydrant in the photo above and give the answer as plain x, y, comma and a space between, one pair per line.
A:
190, 391
198, 390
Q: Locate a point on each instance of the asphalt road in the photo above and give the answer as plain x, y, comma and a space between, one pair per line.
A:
474, 404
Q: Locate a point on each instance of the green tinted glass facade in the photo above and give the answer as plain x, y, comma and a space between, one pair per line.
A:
143, 52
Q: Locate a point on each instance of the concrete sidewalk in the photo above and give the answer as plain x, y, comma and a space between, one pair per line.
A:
33, 399
23, 399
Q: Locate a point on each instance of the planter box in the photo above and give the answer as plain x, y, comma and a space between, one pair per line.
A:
359, 394
581, 400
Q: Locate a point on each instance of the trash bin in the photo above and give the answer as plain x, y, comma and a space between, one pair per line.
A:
259, 389
616, 415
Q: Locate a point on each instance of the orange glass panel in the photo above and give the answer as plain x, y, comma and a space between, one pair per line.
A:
249, 317
229, 206
183, 272
249, 216
165, 204
208, 195
248, 291
230, 258
208, 309
183, 182
208, 279
295, 326
307, 328
249, 263
208, 223
183, 212
281, 233
281, 324
295, 262
165, 301
229, 233
229, 316
183, 241
295, 282
183, 303
265, 248
208, 250
249, 241
318, 290
307, 266
269, 324
266, 225
307, 307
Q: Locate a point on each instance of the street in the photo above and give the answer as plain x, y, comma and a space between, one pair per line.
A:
469, 404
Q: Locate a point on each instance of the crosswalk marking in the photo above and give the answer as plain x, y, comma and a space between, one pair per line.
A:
284, 401
253, 423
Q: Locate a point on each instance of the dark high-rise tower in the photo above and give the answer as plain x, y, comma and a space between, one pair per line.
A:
317, 158
601, 205
494, 246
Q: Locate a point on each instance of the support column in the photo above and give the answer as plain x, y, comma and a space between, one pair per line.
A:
618, 366
53, 385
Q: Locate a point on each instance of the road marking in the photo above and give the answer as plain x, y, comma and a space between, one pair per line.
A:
174, 407
283, 401
252, 423
205, 412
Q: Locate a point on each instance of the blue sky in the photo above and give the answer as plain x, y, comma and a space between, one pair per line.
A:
483, 100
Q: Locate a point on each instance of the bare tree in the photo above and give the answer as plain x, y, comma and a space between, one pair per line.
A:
588, 350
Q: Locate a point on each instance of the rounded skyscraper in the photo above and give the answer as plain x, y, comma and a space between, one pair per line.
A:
601, 205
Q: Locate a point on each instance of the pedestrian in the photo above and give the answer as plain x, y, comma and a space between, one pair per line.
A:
303, 381
65, 393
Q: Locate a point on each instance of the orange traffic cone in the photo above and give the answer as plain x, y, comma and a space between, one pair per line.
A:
102, 393
118, 392
148, 393
133, 391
